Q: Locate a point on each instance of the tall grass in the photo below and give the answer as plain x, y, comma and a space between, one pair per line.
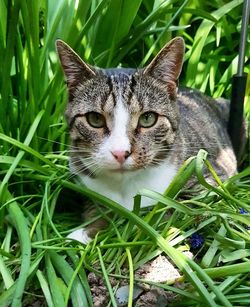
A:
36, 191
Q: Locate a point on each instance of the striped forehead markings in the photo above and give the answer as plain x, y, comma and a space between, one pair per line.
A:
121, 85
110, 94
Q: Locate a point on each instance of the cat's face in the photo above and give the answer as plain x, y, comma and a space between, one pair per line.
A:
121, 120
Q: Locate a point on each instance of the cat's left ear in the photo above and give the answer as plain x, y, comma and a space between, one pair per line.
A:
166, 66
75, 69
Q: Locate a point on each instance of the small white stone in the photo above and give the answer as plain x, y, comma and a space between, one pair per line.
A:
161, 270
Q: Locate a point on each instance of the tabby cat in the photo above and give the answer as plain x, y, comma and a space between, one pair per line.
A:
132, 128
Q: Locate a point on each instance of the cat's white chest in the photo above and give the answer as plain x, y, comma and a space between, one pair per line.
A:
122, 187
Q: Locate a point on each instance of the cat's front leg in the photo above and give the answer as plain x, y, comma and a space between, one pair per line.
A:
86, 234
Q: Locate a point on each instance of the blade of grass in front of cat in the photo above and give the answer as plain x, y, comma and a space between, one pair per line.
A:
80, 269
57, 292
78, 296
177, 257
23, 234
45, 288
106, 278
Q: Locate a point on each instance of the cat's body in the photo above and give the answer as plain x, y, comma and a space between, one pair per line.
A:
123, 186
131, 129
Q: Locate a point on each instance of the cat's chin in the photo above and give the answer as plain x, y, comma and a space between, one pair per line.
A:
120, 170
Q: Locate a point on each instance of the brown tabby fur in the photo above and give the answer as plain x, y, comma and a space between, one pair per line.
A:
187, 119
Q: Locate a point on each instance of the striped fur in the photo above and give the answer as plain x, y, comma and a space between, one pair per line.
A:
187, 120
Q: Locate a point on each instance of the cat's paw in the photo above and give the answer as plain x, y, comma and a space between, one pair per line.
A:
80, 235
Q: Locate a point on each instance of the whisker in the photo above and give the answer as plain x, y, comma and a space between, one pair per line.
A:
52, 141
84, 166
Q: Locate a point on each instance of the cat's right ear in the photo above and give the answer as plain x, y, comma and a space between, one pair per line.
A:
75, 70
167, 65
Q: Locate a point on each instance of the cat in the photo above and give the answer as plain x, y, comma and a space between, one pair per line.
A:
133, 128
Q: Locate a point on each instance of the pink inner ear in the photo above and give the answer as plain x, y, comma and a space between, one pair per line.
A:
75, 69
166, 66
172, 89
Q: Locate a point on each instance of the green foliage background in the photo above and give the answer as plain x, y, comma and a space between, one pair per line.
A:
34, 217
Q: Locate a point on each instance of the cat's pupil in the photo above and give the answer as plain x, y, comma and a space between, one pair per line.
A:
148, 119
95, 119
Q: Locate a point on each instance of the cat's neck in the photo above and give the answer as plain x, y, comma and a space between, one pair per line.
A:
122, 187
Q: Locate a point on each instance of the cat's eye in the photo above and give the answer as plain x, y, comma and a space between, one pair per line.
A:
95, 120
148, 119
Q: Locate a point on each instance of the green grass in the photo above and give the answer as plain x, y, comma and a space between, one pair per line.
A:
39, 203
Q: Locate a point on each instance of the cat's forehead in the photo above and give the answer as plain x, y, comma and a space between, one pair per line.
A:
131, 87
110, 87
119, 79
119, 73
122, 83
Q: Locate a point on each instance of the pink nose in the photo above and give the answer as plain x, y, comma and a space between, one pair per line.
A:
120, 155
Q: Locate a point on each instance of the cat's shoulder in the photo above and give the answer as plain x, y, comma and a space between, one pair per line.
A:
195, 100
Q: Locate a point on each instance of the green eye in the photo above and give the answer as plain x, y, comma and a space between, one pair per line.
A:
95, 120
148, 119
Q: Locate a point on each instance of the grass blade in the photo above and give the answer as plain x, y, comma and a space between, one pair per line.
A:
23, 235
45, 288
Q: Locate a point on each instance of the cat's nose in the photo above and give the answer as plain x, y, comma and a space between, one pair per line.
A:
120, 155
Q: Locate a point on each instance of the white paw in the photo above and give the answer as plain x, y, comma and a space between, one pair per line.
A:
80, 235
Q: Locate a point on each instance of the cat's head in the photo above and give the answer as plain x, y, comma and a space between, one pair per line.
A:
122, 119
